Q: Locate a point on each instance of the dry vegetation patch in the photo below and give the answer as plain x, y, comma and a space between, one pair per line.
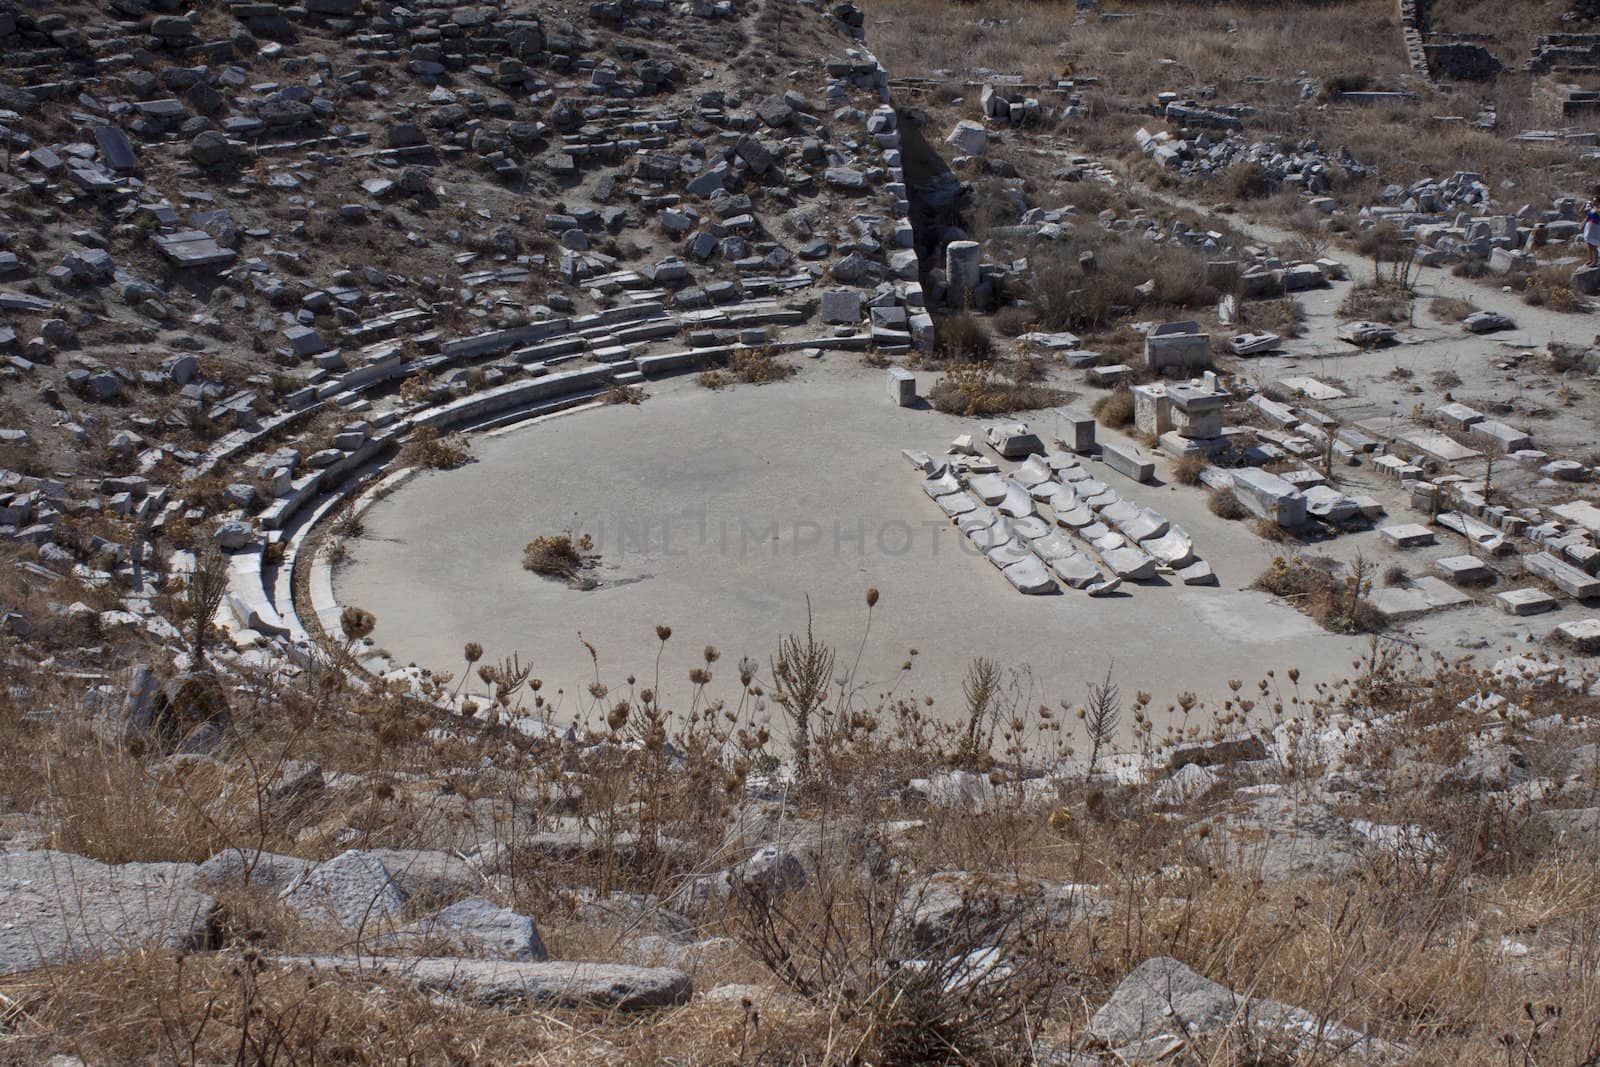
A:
561, 556
1114, 410
1549, 288
1186, 470
752, 366
1285, 316
1070, 882
1089, 277
1451, 309
977, 389
429, 448
1225, 505
1377, 302
1338, 602
962, 337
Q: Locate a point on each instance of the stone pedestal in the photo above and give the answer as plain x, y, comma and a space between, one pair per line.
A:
963, 267
1152, 409
902, 387
1075, 430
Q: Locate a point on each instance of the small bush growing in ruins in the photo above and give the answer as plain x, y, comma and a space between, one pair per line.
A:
1186, 470
1395, 576
560, 555
1085, 281
1224, 505
414, 390
1336, 85
1013, 320
753, 366
1381, 301
1338, 603
1549, 289
962, 337
1179, 274
1451, 309
756, 366
622, 393
428, 448
981, 389
1470, 268
1565, 357
1284, 317
1386, 244
1115, 410
1269, 530
1248, 181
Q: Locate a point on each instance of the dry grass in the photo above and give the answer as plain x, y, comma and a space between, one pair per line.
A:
1252, 53
1549, 288
1225, 505
1067, 294
1338, 602
1285, 317
622, 393
1114, 410
962, 337
978, 389
1186, 470
1247, 181
752, 366
1377, 302
1396, 944
560, 555
1450, 309
428, 448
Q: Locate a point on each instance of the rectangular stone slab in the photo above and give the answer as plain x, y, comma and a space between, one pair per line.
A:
1438, 593
1439, 446
1407, 535
1459, 416
1269, 496
1314, 389
1524, 601
1397, 605
115, 148
1581, 512
1486, 537
1582, 634
1128, 461
1564, 576
1462, 568
1506, 438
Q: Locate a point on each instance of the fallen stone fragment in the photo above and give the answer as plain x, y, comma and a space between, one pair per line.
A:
478, 926
500, 982
56, 906
353, 890
1161, 997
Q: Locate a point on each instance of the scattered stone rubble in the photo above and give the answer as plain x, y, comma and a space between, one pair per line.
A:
741, 210
184, 289
1305, 168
